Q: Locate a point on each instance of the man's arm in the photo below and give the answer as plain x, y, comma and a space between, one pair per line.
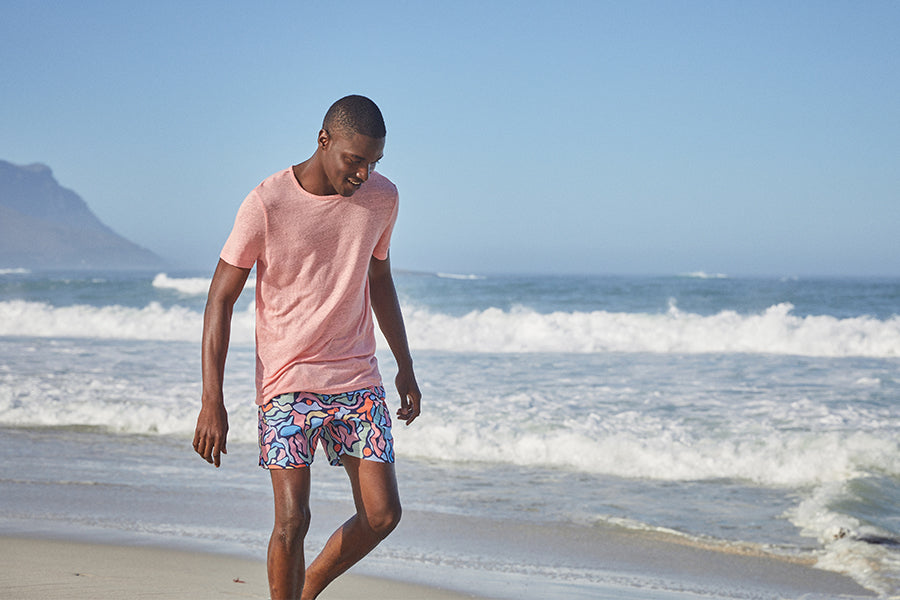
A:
390, 319
212, 423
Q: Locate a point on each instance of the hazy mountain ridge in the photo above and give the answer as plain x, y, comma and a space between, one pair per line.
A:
46, 226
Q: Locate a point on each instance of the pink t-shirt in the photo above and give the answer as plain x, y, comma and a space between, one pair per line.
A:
314, 324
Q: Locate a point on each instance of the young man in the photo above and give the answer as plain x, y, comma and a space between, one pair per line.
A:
319, 234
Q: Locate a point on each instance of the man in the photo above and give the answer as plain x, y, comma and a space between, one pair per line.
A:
319, 234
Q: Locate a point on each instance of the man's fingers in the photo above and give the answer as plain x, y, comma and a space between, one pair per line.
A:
210, 449
414, 412
210, 435
203, 449
218, 451
409, 408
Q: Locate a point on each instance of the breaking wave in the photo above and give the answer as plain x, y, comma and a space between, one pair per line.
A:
774, 331
189, 286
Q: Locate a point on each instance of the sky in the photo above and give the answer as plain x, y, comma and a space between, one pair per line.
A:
665, 137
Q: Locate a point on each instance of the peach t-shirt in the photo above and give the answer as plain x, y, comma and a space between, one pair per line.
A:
314, 324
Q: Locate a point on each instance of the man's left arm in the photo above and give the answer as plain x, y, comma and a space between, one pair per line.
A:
387, 310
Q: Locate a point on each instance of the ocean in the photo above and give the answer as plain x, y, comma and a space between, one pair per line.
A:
757, 416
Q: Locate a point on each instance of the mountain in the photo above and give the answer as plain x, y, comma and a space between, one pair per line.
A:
46, 226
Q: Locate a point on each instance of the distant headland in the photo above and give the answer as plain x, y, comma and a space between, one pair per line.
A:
46, 226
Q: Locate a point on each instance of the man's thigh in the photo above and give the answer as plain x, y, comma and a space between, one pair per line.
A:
374, 485
291, 491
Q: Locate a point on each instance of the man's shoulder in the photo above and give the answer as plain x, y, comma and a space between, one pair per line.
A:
276, 180
270, 192
379, 184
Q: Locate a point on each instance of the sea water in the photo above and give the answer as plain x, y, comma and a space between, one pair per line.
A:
759, 415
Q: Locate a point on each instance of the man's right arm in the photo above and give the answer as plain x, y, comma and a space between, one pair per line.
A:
212, 423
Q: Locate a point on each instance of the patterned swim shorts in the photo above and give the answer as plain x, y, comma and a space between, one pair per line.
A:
349, 424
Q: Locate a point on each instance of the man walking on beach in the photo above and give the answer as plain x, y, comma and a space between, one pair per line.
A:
319, 234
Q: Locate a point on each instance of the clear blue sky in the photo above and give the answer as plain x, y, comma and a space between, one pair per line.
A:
600, 137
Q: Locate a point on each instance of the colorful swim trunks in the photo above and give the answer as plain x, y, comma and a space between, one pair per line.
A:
349, 424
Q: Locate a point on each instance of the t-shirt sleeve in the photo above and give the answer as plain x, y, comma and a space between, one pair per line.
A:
247, 241
384, 242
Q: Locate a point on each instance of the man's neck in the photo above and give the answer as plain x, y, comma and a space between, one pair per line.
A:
312, 179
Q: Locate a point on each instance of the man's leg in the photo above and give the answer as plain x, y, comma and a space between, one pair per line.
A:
377, 502
286, 564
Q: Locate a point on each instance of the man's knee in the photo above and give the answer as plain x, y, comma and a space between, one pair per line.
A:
292, 524
292, 516
384, 520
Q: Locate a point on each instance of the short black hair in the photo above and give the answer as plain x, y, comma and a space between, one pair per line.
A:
355, 114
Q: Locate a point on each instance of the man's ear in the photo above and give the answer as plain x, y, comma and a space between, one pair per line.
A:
324, 139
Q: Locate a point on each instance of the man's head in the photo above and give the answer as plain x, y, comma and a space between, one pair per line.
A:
351, 142
352, 115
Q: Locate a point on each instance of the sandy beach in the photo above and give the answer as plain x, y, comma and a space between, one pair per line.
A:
52, 569
64, 570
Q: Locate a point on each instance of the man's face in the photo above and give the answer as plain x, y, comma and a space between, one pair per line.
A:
349, 159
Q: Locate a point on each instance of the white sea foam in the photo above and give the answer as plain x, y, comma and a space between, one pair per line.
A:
152, 322
165, 402
705, 275
469, 277
16, 271
865, 552
520, 330
775, 331
779, 458
189, 286
96, 400
129, 387
194, 286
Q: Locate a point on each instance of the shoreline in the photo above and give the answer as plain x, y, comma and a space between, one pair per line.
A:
42, 566
48, 569
108, 512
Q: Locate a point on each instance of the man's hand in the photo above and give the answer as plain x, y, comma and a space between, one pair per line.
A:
410, 396
211, 433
